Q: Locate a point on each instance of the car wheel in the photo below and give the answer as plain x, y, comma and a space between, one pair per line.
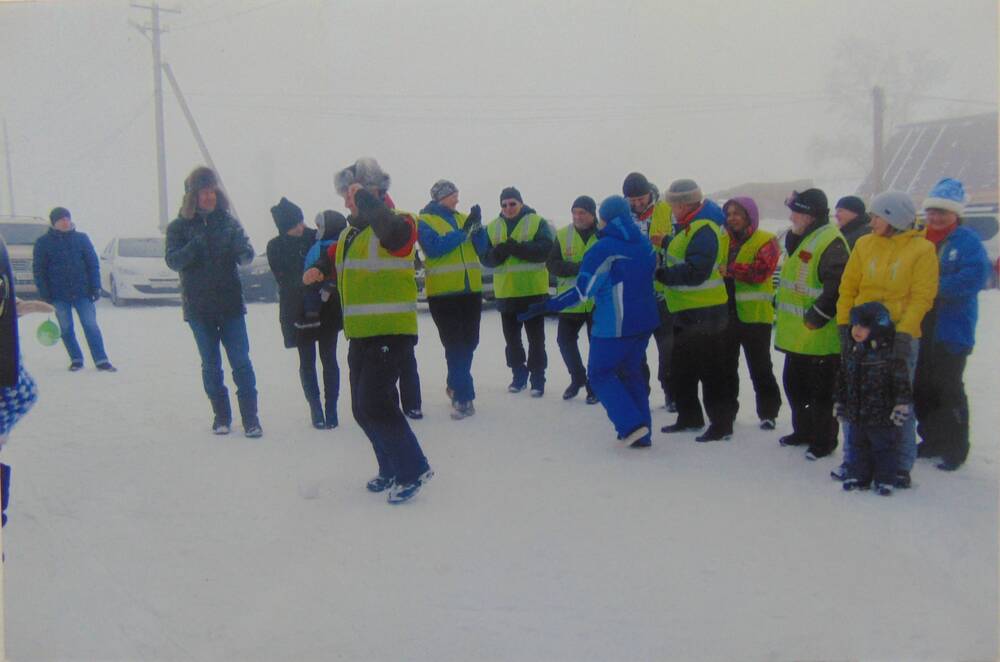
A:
115, 299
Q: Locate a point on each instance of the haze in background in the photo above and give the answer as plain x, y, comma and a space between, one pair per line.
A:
558, 98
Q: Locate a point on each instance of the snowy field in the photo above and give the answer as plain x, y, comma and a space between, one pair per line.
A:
135, 534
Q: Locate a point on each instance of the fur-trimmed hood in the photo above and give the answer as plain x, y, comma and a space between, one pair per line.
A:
201, 177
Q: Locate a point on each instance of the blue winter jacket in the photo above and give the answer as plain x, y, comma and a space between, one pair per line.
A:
317, 249
617, 272
713, 212
66, 266
963, 268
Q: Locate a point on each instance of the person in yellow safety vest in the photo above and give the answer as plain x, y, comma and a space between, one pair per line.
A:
564, 261
655, 220
519, 243
805, 330
454, 284
753, 257
378, 296
694, 256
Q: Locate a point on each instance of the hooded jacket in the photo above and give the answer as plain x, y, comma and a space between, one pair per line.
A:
765, 261
65, 266
962, 268
617, 274
872, 380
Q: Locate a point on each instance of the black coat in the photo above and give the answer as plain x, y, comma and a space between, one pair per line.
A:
9, 351
206, 251
286, 257
871, 382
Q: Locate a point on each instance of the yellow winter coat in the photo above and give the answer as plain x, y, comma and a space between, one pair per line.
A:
900, 272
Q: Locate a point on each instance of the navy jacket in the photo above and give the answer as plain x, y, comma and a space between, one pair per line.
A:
963, 267
66, 266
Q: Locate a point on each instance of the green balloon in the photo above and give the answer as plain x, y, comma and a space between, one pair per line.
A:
48, 333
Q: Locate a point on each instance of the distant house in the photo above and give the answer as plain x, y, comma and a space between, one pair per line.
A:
920, 154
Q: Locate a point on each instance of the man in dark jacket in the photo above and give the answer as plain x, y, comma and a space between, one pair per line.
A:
205, 244
852, 218
68, 276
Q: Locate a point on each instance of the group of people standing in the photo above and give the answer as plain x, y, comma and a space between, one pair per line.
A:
697, 277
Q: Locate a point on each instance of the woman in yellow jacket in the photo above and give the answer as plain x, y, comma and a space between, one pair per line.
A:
897, 267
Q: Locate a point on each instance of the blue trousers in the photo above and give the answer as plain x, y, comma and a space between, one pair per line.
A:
231, 332
87, 313
457, 319
874, 453
615, 373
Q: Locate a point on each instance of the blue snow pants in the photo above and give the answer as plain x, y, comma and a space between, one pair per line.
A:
615, 372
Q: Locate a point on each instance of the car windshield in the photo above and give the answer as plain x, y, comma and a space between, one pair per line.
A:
22, 234
985, 226
153, 247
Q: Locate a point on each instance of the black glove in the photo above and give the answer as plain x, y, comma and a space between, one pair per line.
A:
501, 252
365, 201
515, 248
534, 310
475, 218
660, 275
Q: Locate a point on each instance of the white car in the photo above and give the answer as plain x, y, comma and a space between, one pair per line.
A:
134, 268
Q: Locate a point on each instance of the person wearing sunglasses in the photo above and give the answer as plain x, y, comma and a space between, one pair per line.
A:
519, 244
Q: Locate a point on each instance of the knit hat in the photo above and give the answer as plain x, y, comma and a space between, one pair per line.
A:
286, 215
442, 189
365, 171
875, 317
330, 224
851, 203
896, 208
812, 201
614, 208
684, 191
511, 193
586, 203
635, 185
948, 194
57, 214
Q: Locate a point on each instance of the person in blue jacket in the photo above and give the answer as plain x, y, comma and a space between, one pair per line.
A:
949, 329
617, 272
68, 276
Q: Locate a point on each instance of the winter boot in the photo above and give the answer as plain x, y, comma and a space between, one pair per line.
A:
403, 492
316, 414
716, 433
4, 492
331, 415
840, 473
680, 427
883, 489
592, 398
851, 484
903, 480
640, 434
573, 389
791, 440
380, 483
767, 424
223, 415
248, 412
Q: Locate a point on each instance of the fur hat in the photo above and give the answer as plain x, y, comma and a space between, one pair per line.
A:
330, 224
896, 208
57, 214
365, 171
684, 191
948, 194
286, 215
201, 177
442, 189
635, 185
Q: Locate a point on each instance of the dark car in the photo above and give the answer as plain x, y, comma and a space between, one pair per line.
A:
258, 281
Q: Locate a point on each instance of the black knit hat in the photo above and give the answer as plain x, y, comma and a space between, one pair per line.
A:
812, 201
511, 193
635, 185
586, 203
851, 203
875, 317
286, 215
57, 214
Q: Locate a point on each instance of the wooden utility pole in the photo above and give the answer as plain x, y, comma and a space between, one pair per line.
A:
10, 175
878, 165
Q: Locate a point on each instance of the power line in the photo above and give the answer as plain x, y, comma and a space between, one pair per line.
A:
227, 17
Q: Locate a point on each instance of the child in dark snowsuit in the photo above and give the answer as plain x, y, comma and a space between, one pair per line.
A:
329, 225
874, 395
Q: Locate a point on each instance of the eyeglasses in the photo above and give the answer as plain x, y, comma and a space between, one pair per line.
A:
508, 204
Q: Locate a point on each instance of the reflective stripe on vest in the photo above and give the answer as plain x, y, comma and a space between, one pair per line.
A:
446, 274
798, 289
378, 292
754, 301
661, 223
516, 277
572, 249
712, 292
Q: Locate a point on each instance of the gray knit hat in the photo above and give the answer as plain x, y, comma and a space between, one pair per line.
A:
895, 207
442, 189
365, 171
682, 191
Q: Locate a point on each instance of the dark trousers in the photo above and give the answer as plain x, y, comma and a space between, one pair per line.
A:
664, 337
375, 365
457, 320
940, 403
755, 340
326, 344
698, 357
537, 360
567, 337
409, 382
874, 453
809, 388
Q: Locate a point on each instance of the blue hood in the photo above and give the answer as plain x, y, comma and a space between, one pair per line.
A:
615, 211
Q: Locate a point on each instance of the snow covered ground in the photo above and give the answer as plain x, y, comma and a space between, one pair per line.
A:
136, 534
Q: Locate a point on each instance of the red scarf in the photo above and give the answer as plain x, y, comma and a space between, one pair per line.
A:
936, 236
686, 221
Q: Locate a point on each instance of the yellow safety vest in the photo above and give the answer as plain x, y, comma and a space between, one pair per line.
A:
754, 301
712, 292
661, 223
572, 249
378, 293
517, 277
798, 289
447, 273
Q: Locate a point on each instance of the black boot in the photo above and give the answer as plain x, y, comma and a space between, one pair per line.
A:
316, 414
331, 414
248, 412
223, 415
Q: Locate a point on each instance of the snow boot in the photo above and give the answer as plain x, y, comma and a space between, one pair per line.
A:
403, 492
903, 480
767, 424
716, 433
380, 483
681, 427
883, 489
331, 415
791, 440
4, 492
316, 414
636, 436
851, 484
248, 412
223, 415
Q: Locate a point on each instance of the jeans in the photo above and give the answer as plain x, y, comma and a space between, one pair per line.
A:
615, 373
88, 320
231, 332
457, 319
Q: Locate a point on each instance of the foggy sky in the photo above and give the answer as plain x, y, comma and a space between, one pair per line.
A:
558, 98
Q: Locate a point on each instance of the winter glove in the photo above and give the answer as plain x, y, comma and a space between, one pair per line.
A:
501, 252
534, 310
515, 248
474, 219
839, 411
900, 414
902, 347
660, 275
365, 202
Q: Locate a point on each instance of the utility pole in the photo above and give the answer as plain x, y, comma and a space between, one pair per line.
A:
10, 175
878, 109
153, 31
